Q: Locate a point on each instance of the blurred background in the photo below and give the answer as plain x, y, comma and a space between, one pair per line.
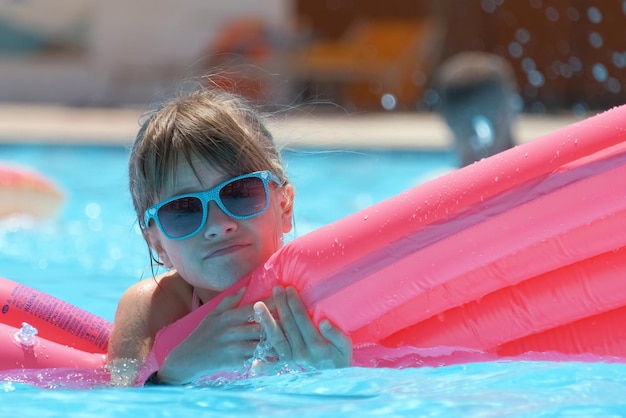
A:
363, 55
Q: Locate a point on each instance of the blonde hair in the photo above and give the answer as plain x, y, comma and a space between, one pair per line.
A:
218, 127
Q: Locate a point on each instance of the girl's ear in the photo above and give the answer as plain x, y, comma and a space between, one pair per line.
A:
286, 204
154, 242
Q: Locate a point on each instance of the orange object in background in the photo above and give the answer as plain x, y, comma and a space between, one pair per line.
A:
23, 191
238, 60
373, 58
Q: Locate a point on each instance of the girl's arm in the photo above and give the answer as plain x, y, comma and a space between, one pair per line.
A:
142, 311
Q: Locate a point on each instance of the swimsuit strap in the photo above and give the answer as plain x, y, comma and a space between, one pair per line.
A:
195, 300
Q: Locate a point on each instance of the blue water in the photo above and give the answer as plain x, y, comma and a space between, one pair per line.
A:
92, 252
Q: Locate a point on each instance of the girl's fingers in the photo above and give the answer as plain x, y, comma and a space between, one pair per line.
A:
292, 337
233, 322
247, 332
293, 321
306, 330
336, 337
273, 331
229, 302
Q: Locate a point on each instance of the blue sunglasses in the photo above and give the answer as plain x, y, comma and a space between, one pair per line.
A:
185, 215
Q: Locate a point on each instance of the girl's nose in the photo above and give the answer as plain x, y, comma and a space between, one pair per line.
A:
218, 223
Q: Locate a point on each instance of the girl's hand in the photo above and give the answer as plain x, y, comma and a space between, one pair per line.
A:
225, 338
294, 337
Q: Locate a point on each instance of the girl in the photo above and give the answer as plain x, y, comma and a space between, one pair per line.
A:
213, 201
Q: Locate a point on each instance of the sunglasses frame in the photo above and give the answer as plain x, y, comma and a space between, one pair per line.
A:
212, 195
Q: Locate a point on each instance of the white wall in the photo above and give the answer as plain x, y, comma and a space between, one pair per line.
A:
132, 49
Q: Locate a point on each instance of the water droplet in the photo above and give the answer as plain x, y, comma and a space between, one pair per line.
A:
613, 85
92, 210
580, 109
522, 36
594, 14
552, 14
576, 63
599, 72
619, 59
565, 70
536, 4
488, 6
388, 101
535, 78
528, 64
515, 50
573, 14
596, 40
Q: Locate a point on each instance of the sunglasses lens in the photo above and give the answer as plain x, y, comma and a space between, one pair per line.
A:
244, 197
181, 217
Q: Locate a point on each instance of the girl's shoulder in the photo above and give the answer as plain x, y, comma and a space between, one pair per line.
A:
167, 294
173, 288
145, 308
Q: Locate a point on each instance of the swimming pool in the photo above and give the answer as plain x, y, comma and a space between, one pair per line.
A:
93, 252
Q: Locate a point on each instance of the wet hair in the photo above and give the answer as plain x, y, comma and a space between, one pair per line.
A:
210, 124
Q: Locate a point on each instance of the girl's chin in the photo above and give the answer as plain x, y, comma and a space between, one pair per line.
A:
227, 280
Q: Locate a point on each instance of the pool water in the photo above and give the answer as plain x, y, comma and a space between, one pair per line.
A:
93, 251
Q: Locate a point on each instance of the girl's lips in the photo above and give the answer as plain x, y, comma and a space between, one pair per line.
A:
226, 249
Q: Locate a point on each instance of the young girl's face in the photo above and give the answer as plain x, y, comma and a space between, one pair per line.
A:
225, 249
